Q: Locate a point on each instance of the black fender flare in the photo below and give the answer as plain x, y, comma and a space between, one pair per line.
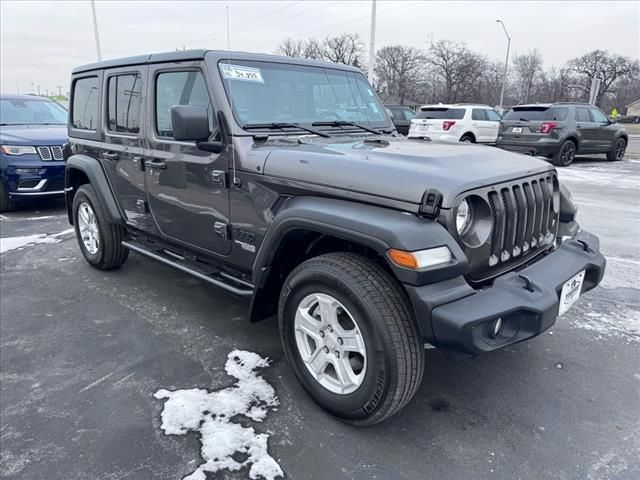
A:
375, 227
98, 179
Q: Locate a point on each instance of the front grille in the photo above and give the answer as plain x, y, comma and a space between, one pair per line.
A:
45, 153
53, 152
524, 223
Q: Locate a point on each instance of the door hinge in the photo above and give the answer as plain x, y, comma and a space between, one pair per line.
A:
221, 229
219, 178
141, 205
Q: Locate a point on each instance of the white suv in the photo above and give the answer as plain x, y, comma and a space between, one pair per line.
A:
460, 122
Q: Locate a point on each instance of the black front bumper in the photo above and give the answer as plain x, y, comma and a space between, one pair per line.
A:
460, 319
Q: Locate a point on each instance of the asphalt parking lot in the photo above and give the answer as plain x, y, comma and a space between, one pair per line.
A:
83, 351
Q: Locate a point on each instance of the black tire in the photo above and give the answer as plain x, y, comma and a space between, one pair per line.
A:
467, 139
110, 253
382, 312
565, 155
5, 201
617, 151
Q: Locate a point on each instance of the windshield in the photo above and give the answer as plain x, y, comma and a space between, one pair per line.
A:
440, 113
266, 92
20, 111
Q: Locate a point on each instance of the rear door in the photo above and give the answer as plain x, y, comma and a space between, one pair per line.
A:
122, 151
606, 131
522, 124
588, 130
493, 119
186, 186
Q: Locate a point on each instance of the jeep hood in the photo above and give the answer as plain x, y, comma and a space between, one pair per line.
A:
399, 168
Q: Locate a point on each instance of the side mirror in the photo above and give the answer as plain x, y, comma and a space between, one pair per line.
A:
190, 123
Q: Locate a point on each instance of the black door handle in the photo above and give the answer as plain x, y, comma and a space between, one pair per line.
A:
110, 156
155, 163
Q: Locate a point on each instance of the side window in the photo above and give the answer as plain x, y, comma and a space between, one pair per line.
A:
478, 114
124, 103
559, 114
598, 116
84, 111
493, 116
409, 114
582, 115
397, 113
179, 88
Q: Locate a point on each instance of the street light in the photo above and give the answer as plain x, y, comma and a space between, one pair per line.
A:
506, 64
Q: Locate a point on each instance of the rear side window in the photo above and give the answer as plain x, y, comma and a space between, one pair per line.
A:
84, 111
440, 113
582, 115
179, 88
124, 103
557, 113
478, 114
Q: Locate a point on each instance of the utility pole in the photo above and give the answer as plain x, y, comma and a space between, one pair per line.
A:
372, 42
95, 30
39, 91
59, 87
506, 64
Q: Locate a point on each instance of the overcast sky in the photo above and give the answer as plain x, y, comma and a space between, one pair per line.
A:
42, 41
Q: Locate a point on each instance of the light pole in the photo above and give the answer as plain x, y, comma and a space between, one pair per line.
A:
95, 30
506, 64
372, 42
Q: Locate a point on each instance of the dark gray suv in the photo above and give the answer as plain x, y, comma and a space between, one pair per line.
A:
560, 131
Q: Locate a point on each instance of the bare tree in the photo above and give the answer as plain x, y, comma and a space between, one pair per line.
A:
398, 70
601, 64
527, 68
556, 85
458, 68
345, 48
291, 48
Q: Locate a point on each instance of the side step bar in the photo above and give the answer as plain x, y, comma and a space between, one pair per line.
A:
215, 277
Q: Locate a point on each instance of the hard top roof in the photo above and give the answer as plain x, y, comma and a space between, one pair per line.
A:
185, 55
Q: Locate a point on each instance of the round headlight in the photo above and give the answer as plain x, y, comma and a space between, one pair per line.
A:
463, 217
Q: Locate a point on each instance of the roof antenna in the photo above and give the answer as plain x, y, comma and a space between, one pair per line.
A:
235, 179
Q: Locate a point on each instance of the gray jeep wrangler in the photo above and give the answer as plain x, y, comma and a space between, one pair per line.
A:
283, 181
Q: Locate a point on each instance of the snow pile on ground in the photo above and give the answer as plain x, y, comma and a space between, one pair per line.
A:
225, 444
623, 322
13, 243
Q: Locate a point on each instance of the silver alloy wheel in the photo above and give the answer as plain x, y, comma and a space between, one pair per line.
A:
88, 226
330, 343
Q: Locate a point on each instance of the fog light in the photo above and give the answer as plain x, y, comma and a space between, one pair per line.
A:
496, 327
24, 171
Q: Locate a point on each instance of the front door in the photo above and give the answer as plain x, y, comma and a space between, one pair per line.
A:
605, 133
122, 152
186, 186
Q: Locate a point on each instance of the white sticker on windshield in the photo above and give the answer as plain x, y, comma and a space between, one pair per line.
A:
239, 72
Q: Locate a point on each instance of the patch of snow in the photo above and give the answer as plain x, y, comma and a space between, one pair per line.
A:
622, 322
14, 243
599, 176
621, 273
212, 414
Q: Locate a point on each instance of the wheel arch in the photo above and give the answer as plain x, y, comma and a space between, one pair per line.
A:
469, 134
82, 169
310, 226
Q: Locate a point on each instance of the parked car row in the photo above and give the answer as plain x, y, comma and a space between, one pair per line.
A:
558, 131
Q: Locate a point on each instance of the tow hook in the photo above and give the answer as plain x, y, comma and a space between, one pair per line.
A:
528, 284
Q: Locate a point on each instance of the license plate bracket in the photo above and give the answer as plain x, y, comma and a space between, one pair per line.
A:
570, 292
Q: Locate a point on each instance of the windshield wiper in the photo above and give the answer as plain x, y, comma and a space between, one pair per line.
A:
283, 125
344, 123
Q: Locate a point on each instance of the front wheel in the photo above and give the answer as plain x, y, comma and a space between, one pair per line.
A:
5, 201
99, 240
565, 155
617, 151
349, 333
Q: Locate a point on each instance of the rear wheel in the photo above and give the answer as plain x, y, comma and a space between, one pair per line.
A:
349, 333
467, 139
5, 201
100, 241
565, 156
617, 151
